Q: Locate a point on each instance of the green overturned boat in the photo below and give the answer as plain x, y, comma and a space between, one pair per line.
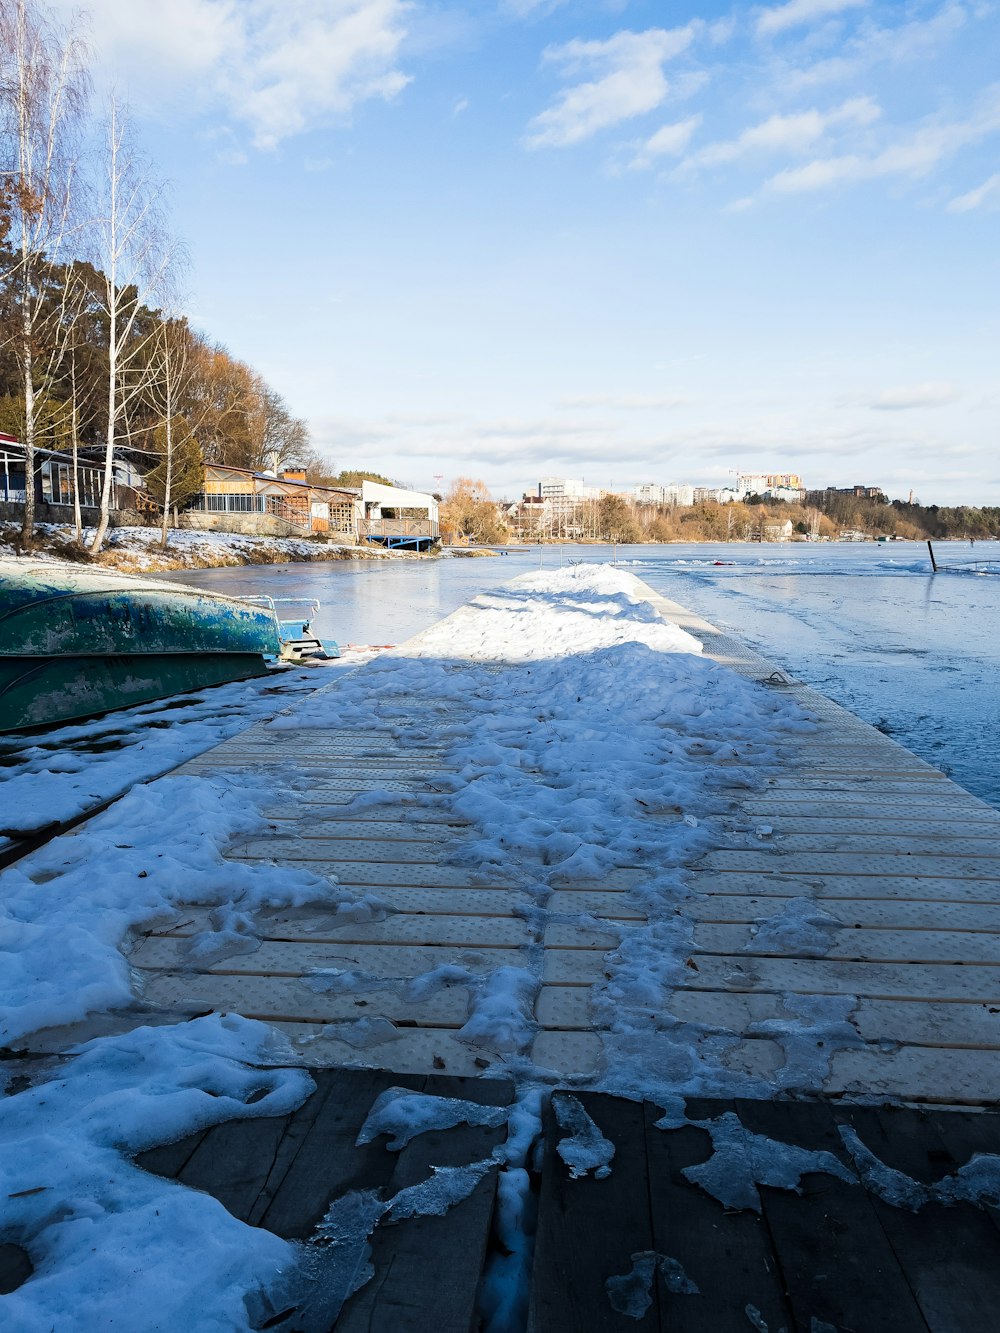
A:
75, 641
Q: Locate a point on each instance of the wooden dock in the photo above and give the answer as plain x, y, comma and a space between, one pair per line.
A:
898, 865
904, 863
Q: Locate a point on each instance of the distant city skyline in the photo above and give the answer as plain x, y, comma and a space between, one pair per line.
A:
537, 237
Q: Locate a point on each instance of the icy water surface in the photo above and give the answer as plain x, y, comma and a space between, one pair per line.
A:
917, 656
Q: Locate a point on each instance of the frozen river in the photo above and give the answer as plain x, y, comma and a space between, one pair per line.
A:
917, 656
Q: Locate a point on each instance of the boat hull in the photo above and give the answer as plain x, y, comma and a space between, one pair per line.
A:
45, 691
76, 641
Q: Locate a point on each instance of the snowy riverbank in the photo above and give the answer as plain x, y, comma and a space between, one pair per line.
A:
587, 737
138, 551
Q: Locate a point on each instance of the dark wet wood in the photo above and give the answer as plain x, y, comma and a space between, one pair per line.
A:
15, 1268
283, 1173
832, 1257
737, 1268
589, 1229
432, 1264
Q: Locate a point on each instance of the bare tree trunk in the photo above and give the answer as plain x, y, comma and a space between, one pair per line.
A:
28, 522
169, 434
75, 432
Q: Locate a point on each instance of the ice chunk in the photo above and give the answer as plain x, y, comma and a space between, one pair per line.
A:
404, 1114
890, 1185
742, 1160
631, 1294
801, 929
500, 1020
586, 1149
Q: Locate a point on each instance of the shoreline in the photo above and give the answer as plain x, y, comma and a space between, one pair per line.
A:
137, 550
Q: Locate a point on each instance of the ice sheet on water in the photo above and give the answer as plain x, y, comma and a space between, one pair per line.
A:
631, 1294
402, 1114
742, 1160
583, 1147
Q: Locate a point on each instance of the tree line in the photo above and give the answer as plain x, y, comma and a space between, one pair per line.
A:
468, 512
97, 357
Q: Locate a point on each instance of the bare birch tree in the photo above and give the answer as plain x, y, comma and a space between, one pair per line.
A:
133, 254
176, 357
43, 93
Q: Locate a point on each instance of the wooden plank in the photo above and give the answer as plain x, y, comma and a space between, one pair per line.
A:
408, 1050
354, 874
588, 1229
949, 1256
931, 888
895, 843
292, 847
853, 863
891, 914
874, 825
836, 1263
287, 999
398, 928
863, 945
327, 1163
432, 1263
280, 958
823, 976
918, 1073
727, 1254
912, 1022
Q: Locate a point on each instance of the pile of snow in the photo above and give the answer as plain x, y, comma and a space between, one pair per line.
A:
103, 1235
588, 738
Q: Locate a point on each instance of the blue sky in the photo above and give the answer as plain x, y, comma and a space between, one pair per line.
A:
616, 239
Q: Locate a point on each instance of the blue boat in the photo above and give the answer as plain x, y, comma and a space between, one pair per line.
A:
78, 640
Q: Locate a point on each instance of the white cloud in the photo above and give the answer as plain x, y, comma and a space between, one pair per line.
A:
631, 402
523, 9
913, 157
796, 12
931, 394
789, 133
871, 46
670, 141
629, 81
277, 67
987, 192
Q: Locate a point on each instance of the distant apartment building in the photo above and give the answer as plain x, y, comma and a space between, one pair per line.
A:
672, 494
860, 492
565, 493
771, 485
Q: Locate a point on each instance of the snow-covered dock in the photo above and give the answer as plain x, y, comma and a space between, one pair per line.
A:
571, 837
836, 927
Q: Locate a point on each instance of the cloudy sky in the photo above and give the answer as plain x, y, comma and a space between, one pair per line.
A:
616, 239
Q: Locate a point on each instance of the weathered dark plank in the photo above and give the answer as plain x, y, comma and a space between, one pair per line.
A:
727, 1254
589, 1229
328, 1164
427, 1269
949, 1256
169, 1158
962, 1135
15, 1268
836, 1262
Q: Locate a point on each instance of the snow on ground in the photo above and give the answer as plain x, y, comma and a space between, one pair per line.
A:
137, 550
586, 738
